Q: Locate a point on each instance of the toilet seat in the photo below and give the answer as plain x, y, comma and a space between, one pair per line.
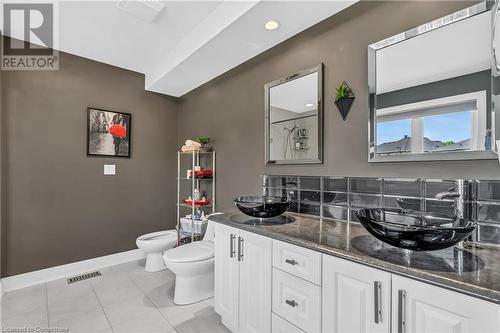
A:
157, 235
153, 245
192, 252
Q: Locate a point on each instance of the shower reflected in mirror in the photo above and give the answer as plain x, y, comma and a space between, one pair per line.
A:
294, 118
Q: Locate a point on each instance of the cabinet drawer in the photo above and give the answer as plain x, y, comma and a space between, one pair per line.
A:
304, 263
280, 325
297, 301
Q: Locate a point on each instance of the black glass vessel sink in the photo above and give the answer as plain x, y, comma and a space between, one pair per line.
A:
259, 221
415, 230
262, 207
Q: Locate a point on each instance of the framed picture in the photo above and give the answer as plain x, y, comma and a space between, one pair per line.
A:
108, 133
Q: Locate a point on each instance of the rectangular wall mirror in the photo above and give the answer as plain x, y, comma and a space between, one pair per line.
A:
294, 118
431, 90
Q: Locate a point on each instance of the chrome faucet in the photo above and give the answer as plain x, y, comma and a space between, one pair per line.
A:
458, 193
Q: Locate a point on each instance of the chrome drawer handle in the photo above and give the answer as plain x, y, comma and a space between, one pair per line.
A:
240, 248
291, 261
232, 251
401, 311
292, 303
377, 287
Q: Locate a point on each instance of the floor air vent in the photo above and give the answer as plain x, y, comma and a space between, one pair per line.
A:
83, 277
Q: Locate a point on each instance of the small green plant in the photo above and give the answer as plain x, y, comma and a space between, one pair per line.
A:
203, 139
449, 142
343, 91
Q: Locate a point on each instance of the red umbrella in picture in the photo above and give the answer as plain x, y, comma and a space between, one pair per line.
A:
118, 131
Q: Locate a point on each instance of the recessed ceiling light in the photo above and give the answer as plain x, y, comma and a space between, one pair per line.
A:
309, 105
272, 25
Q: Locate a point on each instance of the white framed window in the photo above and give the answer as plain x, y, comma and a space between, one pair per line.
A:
448, 124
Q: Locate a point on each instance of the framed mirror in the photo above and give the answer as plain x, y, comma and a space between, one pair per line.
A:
431, 90
294, 118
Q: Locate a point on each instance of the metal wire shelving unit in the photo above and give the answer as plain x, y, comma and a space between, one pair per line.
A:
208, 159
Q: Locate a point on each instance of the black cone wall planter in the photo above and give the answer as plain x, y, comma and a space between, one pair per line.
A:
344, 99
344, 105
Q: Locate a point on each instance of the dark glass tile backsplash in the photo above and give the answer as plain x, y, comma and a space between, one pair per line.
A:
407, 187
310, 209
365, 201
433, 187
489, 234
394, 201
335, 198
440, 206
335, 184
294, 207
338, 213
310, 183
275, 181
340, 197
365, 185
488, 212
488, 190
306, 196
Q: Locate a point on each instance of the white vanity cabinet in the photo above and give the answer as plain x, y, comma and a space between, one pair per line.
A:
265, 285
356, 298
422, 308
243, 272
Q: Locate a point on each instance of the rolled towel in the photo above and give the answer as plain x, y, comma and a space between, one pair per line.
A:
193, 144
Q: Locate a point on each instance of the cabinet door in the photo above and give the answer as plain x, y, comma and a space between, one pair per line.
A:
423, 308
227, 275
255, 283
356, 298
280, 325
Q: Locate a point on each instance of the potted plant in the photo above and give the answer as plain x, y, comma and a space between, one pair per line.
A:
203, 140
344, 97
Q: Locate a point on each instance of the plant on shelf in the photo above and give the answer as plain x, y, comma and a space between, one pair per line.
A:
344, 97
204, 140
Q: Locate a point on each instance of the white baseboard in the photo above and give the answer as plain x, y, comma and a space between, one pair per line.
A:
58, 272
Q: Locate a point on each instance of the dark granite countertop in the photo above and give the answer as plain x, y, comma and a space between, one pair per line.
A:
475, 272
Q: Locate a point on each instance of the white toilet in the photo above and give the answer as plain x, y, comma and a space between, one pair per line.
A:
154, 244
193, 266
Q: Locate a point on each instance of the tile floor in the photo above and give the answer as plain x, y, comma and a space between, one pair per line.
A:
124, 299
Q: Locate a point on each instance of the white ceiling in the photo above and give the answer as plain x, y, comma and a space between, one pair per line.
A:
190, 42
296, 95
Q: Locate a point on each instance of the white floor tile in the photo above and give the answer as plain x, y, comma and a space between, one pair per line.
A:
204, 321
125, 296
151, 322
119, 312
179, 314
92, 321
60, 309
22, 301
61, 289
107, 280
110, 290
163, 295
147, 281
34, 318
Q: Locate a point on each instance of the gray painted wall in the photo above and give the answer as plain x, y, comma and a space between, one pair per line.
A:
230, 109
2, 197
60, 208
